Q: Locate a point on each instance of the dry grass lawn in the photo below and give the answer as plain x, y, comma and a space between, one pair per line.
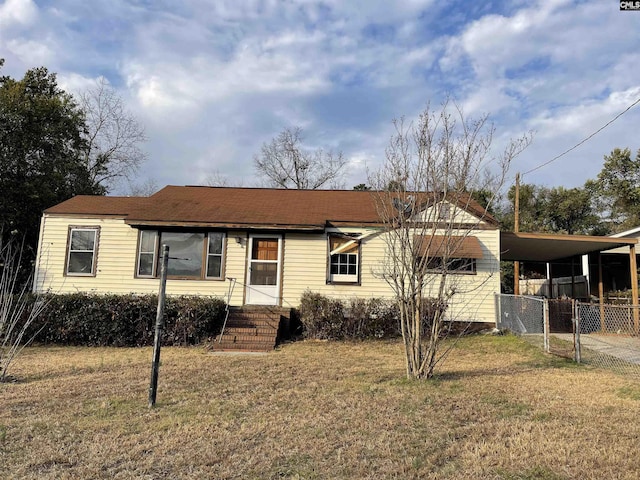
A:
316, 410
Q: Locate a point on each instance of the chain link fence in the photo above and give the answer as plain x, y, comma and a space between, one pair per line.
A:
523, 316
607, 336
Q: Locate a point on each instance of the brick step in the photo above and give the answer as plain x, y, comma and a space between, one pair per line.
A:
253, 314
251, 329
229, 330
248, 338
244, 346
232, 322
254, 318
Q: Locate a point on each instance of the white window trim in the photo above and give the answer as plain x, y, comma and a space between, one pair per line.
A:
154, 252
339, 278
221, 255
94, 252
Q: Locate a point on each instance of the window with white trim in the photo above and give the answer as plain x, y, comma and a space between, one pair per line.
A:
192, 255
148, 246
82, 249
344, 259
214, 255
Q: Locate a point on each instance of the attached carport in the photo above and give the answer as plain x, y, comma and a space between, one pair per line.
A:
542, 247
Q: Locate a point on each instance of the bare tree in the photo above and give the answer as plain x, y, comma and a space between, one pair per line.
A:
286, 163
217, 179
424, 198
113, 136
18, 309
145, 188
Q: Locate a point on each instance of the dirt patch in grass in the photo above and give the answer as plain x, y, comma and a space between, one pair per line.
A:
499, 409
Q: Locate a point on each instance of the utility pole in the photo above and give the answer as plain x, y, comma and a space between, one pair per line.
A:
155, 365
516, 229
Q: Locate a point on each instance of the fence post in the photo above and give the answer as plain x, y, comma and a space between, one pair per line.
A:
545, 324
576, 326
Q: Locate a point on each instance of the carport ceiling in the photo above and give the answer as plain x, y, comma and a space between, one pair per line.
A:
538, 247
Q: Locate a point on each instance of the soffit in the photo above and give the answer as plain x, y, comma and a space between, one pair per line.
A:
538, 247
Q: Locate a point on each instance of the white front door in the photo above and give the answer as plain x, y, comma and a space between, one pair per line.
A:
263, 287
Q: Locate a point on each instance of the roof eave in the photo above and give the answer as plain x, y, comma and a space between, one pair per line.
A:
225, 225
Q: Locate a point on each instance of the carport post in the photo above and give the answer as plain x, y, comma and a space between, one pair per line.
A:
545, 324
634, 285
601, 292
576, 333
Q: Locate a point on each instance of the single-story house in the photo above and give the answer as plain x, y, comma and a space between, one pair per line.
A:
272, 244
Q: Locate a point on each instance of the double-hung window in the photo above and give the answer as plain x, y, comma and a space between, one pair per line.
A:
192, 255
82, 251
344, 259
147, 249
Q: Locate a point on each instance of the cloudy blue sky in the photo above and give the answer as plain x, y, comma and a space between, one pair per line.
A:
211, 81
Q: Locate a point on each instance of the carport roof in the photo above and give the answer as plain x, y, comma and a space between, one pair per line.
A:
542, 247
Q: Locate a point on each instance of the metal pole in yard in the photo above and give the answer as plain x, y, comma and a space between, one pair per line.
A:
577, 347
155, 365
516, 228
545, 324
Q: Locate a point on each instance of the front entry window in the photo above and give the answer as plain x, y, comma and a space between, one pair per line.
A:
185, 253
264, 261
192, 255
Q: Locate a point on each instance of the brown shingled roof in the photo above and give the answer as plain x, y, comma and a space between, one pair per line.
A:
97, 205
236, 207
257, 206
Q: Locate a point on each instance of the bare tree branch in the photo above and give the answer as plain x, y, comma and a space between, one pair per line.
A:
424, 198
286, 164
113, 136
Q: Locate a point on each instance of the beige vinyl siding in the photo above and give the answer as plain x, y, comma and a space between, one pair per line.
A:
116, 262
305, 267
459, 216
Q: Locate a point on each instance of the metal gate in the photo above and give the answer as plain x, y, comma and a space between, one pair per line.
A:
523, 315
608, 336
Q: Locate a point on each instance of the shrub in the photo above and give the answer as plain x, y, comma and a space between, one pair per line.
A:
127, 320
357, 318
322, 317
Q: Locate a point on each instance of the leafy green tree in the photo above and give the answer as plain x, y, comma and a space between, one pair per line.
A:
570, 210
41, 143
533, 207
617, 189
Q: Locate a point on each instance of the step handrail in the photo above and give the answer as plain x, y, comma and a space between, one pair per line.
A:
226, 315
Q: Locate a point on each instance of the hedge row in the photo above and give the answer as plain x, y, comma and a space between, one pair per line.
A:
126, 320
356, 318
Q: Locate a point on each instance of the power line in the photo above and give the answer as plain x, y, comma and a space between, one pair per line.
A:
583, 141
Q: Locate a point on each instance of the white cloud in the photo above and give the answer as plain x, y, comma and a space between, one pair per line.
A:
30, 52
585, 118
17, 13
213, 80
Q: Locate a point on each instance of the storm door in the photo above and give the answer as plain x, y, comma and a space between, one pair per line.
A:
263, 286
